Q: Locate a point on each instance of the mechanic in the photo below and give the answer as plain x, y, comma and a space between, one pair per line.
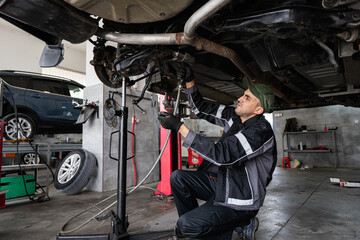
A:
237, 169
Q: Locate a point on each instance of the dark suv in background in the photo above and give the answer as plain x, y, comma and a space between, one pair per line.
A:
45, 104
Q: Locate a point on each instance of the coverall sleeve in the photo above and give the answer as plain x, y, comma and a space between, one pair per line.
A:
214, 113
234, 149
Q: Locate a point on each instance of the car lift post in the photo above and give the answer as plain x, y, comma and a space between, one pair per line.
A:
119, 221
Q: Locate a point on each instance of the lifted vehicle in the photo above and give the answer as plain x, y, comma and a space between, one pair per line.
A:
45, 104
306, 51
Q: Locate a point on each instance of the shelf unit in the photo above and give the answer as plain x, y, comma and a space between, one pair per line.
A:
286, 139
34, 168
25, 147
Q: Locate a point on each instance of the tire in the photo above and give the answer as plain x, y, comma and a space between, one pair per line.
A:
30, 158
75, 171
26, 123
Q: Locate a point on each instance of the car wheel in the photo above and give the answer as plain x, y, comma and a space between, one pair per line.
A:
31, 158
25, 124
75, 171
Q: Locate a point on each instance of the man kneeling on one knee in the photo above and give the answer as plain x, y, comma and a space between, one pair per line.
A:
233, 177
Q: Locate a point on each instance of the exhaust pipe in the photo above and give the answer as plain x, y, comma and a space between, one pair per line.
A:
206, 11
188, 37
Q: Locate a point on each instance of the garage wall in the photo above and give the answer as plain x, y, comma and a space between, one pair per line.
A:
21, 51
97, 135
346, 119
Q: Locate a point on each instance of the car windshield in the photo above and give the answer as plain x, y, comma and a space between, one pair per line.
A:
76, 91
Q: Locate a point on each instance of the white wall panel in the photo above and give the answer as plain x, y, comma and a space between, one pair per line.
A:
21, 51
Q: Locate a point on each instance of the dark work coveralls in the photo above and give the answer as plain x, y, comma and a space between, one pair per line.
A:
231, 179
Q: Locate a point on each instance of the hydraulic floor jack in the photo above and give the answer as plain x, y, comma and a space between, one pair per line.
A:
119, 222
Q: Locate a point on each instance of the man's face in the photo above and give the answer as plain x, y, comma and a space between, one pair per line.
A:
248, 106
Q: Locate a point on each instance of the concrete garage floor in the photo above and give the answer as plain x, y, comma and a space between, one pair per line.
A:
300, 204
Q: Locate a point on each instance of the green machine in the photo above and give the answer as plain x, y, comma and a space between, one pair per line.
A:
15, 186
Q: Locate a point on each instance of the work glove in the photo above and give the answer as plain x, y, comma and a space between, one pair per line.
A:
181, 70
169, 121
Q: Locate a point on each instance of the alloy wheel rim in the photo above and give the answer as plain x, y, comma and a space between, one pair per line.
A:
69, 168
23, 125
31, 158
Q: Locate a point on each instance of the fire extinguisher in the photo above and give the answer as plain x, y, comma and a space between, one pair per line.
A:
285, 162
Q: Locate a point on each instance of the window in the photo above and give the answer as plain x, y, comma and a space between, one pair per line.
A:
76, 91
47, 86
17, 81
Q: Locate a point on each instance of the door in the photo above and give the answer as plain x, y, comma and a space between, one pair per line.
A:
49, 99
19, 85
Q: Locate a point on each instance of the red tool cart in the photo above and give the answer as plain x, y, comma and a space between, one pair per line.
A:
194, 159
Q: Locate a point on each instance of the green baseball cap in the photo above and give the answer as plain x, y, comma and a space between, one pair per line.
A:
262, 92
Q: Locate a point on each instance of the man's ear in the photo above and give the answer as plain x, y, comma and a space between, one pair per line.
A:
259, 110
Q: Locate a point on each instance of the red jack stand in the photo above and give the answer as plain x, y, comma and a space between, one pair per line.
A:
171, 158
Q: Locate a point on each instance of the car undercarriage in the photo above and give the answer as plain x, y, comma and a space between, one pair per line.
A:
306, 51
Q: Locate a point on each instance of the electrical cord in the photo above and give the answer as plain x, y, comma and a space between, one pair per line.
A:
17, 140
110, 107
42, 160
147, 83
109, 111
97, 214
133, 142
6, 85
44, 198
163, 149
132, 149
132, 188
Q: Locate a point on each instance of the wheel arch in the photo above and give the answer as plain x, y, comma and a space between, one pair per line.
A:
25, 110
